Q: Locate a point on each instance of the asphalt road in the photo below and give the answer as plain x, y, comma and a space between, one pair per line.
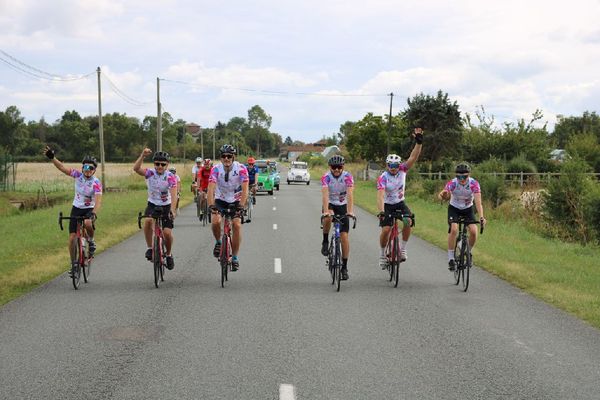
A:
288, 334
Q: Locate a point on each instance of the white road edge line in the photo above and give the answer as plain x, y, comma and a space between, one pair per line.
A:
287, 392
274, 227
278, 265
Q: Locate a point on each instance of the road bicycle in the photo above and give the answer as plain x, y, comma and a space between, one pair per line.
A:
226, 252
159, 247
334, 257
392, 248
462, 253
81, 260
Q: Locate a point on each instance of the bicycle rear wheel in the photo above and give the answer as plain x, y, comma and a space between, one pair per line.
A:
77, 251
466, 266
249, 209
163, 259
156, 260
331, 261
396, 261
199, 210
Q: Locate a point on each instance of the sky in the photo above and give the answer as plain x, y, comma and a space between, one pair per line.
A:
311, 65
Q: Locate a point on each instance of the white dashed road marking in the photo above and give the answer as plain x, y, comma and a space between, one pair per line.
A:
274, 208
287, 392
274, 227
278, 265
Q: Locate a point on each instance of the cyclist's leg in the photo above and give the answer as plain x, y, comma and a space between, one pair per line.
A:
236, 237
470, 214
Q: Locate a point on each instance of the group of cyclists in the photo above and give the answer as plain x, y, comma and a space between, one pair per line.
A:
225, 187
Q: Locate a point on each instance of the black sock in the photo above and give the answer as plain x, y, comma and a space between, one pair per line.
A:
344, 263
325, 237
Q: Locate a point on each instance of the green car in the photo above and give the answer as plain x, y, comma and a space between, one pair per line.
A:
266, 177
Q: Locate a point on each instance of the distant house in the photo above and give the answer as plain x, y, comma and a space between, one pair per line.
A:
320, 148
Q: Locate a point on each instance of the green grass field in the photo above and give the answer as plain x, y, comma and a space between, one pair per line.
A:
566, 275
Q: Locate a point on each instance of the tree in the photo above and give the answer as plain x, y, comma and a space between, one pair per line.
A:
441, 121
566, 127
345, 129
288, 141
259, 122
367, 136
13, 130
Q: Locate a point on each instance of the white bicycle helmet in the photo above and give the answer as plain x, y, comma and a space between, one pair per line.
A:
393, 159
199, 159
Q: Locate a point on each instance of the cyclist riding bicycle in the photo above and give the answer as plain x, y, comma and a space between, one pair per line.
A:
173, 170
87, 199
391, 188
252, 174
337, 188
462, 191
228, 186
201, 182
162, 192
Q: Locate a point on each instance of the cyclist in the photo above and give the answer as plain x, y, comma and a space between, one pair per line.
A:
201, 182
162, 191
87, 199
195, 169
391, 187
173, 170
337, 188
252, 174
228, 185
462, 191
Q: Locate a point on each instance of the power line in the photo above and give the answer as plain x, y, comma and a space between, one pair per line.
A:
274, 92
124, 96
22, 67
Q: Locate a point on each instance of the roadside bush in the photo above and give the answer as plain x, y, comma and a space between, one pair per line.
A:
520, 164
312, 160
491, 174
569, 201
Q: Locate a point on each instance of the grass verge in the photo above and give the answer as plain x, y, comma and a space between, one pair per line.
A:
566, 275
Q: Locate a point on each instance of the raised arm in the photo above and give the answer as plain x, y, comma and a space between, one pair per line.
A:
414, 154
137, 167
48, 152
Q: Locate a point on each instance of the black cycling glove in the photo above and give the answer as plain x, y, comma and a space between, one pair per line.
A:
49, 153
419, 138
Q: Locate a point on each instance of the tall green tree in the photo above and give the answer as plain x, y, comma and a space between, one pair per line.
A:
13, 131
368, 137
567, 127
441, 121
259, 124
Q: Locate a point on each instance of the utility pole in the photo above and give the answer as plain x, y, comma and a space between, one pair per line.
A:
214, 140
184, 133
158, 117
101, 130
390, 123
202, 142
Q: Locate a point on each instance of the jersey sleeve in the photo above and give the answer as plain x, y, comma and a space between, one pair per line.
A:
450, 185
97, 186
214, 175
244, 174
404, 167
475, 187
148, 173
172, 181
74, 173
381, 182
349, 180
325, 180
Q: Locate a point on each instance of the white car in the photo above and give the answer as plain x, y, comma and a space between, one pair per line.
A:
298, 173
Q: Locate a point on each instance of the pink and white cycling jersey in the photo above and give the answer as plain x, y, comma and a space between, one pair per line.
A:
462, 195
85, 190
231, 190
394, 185
159, 185
338, 187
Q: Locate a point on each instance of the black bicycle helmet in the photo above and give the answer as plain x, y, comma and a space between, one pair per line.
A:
336, 160
161, 156
227, 149
462, 168
90, 160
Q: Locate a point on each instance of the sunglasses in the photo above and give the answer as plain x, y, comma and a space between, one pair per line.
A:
160, 164
337, 167
88, 168
462, 177
227, 156
394, 165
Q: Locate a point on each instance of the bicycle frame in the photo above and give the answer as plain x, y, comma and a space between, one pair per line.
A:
392, 248
334, 259
226, 254
462, 253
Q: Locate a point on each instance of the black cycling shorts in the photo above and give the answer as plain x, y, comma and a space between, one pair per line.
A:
223, 205
341, 210
390, 209
167, 222
454, 213
78, 212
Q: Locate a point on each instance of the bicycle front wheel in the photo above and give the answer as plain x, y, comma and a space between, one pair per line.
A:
224, 258
76, 251
87, 264
156, 260
338, 263
466, 265
457, 261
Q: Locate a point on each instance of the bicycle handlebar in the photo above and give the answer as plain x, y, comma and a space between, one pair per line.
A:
156, 215
462, 220
339, 218
80, 218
